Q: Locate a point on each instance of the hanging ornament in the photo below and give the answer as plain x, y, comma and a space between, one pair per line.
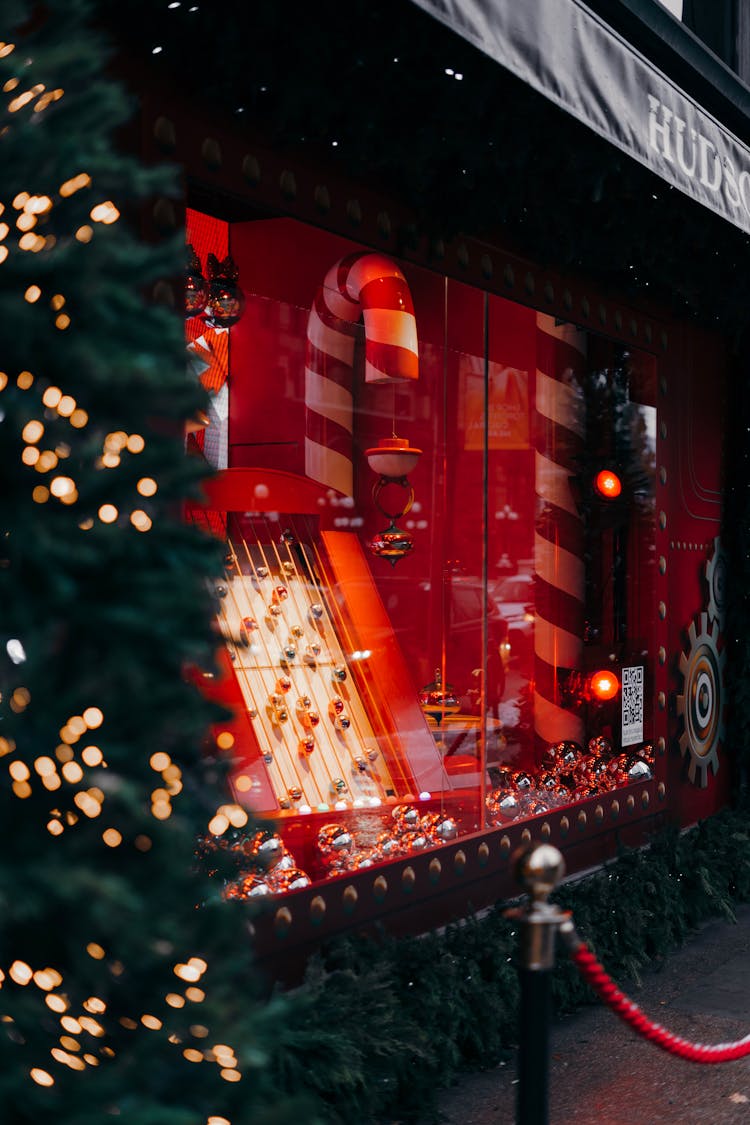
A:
393, 458
196, 286
438, 699
226, 301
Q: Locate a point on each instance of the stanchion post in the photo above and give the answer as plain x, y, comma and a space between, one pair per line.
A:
538, 867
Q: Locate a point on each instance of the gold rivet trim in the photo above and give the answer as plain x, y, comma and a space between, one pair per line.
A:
288, 184
322, 198
164, 133
164, 214
251, 169
349, 898
380, 888
211, 153
282, 921
317, 908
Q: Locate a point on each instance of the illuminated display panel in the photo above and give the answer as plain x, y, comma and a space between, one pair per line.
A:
481, 609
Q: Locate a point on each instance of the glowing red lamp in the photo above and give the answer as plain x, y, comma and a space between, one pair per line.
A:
608, 484
604, 685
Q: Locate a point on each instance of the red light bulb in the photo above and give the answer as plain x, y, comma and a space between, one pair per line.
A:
604, 685
608, 484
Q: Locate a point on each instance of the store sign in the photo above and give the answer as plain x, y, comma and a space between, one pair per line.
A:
568, 54
632, 705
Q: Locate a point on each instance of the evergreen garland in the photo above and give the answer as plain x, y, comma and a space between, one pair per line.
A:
379, 1026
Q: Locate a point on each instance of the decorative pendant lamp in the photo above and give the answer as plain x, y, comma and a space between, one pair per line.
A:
393, 459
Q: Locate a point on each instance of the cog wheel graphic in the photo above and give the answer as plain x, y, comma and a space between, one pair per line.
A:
701, 703
716, 574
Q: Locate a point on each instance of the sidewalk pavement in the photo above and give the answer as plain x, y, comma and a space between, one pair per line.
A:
602, 1073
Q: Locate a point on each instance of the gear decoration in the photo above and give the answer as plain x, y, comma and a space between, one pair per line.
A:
716, 575
701, 703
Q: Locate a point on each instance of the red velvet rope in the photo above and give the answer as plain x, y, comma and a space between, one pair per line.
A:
593, 973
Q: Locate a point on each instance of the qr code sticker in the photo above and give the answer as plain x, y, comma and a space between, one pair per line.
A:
632, 705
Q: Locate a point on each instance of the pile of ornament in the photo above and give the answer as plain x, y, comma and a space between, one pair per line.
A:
264, 866
567, 774
409, 831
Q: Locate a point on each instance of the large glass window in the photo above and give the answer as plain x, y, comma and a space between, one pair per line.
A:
439, 527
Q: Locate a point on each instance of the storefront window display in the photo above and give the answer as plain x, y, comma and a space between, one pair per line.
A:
439, 522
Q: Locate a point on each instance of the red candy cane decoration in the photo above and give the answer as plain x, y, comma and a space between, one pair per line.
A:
558, 547
371, 287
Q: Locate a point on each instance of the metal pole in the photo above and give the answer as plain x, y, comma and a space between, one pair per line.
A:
539, 867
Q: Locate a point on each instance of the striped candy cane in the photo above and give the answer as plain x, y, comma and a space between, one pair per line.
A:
558, 547
371, 287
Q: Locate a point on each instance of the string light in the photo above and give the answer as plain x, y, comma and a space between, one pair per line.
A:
41, 1077
105, 213
20, 972
52, 396
74, 184
147, 486
140, 520
108, 513
32, 294
32, 431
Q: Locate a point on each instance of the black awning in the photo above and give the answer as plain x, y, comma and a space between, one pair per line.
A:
566, 52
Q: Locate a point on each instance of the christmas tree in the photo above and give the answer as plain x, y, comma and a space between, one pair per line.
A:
127, 985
